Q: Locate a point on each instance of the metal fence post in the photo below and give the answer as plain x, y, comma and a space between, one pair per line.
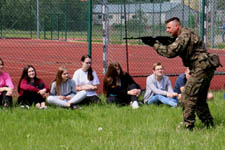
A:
125, 17
189, 12
213, 20
51, 23
1, 15
65, 19
105, 23
38, 19
44, 28
140, 22
183, 12
57, 17
202, 19
121, 21
153, 18
89, 26
31, 19
206, 23
160, 18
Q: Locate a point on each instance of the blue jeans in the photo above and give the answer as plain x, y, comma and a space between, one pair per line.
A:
157, 99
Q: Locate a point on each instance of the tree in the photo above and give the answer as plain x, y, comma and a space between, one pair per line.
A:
15, 14
21, 14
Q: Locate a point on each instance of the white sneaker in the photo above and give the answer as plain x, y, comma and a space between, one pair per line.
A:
134, 105
43, 107
24, 106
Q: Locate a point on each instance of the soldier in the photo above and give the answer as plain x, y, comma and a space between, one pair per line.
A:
192, 51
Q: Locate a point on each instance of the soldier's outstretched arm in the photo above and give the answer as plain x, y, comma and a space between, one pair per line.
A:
175, 48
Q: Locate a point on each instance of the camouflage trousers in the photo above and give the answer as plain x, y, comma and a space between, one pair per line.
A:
195, 95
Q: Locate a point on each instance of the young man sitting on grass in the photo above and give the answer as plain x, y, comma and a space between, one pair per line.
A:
158, 88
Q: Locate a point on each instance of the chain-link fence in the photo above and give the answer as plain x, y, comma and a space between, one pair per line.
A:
49, 33
147, 18
39, 32
44, 19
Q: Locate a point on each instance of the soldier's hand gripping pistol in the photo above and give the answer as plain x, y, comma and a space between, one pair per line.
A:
149, 40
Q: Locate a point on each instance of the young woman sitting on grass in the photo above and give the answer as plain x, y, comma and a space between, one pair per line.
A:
31, 89
63, 92
6, 87
119, 87
86, 79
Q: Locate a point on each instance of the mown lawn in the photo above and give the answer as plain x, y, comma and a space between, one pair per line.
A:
108, 127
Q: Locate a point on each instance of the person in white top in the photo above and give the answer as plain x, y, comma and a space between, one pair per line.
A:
86, 79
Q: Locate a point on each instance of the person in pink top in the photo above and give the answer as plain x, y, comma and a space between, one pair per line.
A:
31, 89
6, 87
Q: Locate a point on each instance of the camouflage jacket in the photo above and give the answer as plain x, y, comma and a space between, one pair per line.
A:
187, 45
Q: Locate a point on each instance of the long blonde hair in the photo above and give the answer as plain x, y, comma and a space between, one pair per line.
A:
59, 78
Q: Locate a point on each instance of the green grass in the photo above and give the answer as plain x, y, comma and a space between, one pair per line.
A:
149, 127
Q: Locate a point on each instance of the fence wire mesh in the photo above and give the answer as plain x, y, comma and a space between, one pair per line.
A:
55, 19
130, 18
49, 33
40, 32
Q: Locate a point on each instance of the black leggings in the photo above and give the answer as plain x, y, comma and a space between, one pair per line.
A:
4, 99
123, 100
90, 100
29, 98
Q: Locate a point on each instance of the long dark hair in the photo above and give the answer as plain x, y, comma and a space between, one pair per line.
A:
26, 77
112, 77
90, 71
59, 79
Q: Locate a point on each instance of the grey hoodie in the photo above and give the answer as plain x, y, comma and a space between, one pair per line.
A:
154, 87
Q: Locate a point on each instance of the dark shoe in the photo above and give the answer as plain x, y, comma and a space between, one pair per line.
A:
73, 106
185, 127
209, 124
189, 128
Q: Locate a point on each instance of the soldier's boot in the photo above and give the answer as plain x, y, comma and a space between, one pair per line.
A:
189, 127
209, 124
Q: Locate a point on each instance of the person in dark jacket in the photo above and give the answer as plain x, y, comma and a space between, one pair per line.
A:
119, 87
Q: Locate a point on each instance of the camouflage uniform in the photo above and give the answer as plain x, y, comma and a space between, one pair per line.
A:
191, 49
